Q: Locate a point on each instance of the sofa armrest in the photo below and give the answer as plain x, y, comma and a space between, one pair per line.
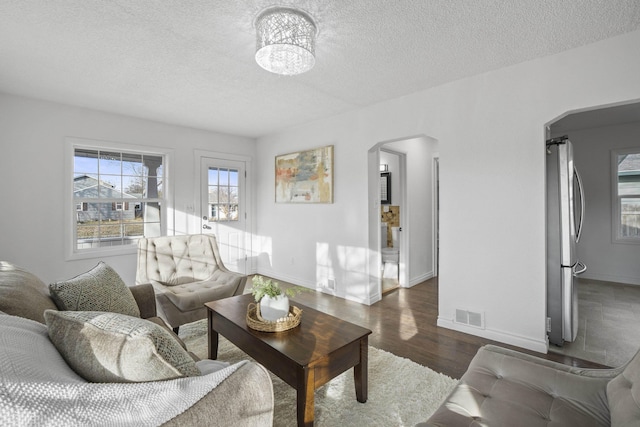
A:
146, 300
583, 372
245, 399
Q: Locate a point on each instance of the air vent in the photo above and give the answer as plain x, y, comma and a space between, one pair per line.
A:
471, 318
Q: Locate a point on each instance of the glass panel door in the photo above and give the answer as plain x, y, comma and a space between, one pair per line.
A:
223, 209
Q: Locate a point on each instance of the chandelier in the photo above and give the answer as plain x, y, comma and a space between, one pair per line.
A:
285, 41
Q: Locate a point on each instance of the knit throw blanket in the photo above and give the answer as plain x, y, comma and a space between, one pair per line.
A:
38, 388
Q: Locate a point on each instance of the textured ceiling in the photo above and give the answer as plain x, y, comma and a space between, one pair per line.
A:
190, 62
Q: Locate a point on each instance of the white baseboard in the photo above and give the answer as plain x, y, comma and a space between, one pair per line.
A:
307, 284
500, 336
286, 278
419, 279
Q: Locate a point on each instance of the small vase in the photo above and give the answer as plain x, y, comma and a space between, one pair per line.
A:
274, 308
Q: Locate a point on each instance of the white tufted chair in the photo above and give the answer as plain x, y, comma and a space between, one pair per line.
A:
186, 272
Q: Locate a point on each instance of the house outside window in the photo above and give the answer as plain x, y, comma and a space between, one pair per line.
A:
626, 191
118, 197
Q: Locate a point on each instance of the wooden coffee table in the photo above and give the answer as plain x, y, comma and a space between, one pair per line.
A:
305, 357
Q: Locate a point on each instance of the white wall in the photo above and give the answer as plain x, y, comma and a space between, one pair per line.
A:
32, 138
606, 260
491, 133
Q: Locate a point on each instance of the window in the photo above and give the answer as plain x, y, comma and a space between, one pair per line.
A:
223, 194
626, 167
118, 197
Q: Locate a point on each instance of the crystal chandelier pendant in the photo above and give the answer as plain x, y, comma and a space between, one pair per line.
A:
285, 41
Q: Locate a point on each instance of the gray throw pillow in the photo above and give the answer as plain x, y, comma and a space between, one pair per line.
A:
99, 289
111, 347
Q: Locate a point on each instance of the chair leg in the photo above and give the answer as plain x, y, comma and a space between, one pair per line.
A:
176, 329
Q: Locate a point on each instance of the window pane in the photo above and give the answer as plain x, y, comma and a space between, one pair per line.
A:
233, 177
153, 166
213, 212
629, 185
629, 174
223, 212
110, 186
233, 195
134, 186
223, 195
160, 170
132, 164
85, 186
153, 188
85, 162
109, 163
223, 179
630, 217
213, 176
213, 194
234, 213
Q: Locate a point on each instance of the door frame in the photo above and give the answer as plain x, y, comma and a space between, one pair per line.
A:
404, 236
435, 158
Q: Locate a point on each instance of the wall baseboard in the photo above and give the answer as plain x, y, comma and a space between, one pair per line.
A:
500, 336
419, 279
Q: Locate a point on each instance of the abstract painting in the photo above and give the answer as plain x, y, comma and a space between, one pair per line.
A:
305, 176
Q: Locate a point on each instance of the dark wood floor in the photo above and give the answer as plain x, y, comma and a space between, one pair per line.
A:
404, 323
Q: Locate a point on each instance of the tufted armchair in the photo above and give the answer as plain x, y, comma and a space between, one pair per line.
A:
186, 272
504, 387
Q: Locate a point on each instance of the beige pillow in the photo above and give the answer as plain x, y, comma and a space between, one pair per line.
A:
22, 293
111, 347
99, 289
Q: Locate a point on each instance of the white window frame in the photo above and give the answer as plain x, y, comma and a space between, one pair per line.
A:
167, 215
616, 201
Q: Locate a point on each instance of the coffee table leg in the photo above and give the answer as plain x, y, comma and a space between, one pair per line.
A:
360, 371
213, 338
306, 399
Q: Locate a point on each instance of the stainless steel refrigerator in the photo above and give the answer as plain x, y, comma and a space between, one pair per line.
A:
565, 215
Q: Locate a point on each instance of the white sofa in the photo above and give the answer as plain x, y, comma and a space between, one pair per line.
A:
38, 387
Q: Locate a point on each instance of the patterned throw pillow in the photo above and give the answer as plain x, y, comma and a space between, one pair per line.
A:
111, 347
99, 289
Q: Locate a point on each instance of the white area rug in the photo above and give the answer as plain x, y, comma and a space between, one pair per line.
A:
401, 392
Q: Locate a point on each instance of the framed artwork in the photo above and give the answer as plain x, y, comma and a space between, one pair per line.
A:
385, 188
305, 176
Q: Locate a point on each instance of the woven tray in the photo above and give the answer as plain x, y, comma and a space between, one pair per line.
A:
255, 320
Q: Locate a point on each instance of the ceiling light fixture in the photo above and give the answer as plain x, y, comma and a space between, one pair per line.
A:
285, 41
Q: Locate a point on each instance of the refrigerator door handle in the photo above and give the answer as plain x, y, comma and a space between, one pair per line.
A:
579, 225
582, 269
